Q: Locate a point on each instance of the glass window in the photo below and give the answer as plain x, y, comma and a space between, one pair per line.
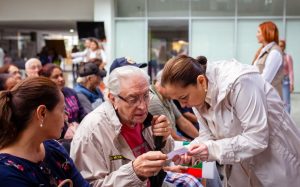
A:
213, 7
260, 7
168, 8
130, 40
247, 44
167, 38
130, 8
292, 7
213, 39
292, 47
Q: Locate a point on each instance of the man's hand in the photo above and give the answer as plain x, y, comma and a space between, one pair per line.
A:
149, 164
161, 126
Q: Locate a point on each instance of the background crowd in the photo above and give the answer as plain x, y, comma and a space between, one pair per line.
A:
118, 132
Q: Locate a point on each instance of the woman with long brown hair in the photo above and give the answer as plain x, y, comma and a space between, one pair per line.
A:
31, 116
269, 58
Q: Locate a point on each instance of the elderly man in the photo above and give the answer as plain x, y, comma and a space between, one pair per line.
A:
87, 89
161, 104
114, 144
32, 67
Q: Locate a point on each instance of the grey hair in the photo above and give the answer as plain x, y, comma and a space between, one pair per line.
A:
124, 72
81, 80
29, 62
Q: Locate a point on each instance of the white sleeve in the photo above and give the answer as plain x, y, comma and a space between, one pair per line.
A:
272, 65
79, 54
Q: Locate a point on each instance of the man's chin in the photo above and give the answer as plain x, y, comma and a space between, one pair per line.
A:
139, 119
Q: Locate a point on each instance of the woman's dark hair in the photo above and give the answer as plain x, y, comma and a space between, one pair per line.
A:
3, 79
95, 41
18, 105
183, 70
5, 68
47, 69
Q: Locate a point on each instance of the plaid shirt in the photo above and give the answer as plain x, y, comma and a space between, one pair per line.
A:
182, 179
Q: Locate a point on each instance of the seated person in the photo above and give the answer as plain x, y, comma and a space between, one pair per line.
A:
7, 81
12, 70
188, 113
87, 87
161, 104
31, 116
114, 144
32, 67
124, 61
73, 106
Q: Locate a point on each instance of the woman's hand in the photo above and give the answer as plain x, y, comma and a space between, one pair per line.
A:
198, 151
291, 88
177, 169
183, 159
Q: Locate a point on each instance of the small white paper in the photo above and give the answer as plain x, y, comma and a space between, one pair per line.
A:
179, 151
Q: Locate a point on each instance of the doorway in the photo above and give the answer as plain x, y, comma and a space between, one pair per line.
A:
167, 38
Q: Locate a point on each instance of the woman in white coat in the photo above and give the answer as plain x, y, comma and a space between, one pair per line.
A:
243, 122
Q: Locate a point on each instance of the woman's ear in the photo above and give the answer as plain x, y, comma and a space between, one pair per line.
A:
202, 81
41, 112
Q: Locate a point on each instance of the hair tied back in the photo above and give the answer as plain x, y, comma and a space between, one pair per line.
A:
8, 94
202, 60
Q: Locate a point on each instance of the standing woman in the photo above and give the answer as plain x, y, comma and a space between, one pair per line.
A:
243, 122
32, 114
288, 79
96, 51
269, 57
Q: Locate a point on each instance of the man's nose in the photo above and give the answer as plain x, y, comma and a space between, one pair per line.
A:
143, 103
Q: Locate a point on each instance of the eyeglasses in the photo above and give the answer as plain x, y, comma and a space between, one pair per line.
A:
135, 100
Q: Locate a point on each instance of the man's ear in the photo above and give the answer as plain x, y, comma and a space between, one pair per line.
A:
202, 81
41, 112
89, 77
112, 99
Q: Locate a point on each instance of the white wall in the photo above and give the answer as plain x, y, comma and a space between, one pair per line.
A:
16, 10
104, 11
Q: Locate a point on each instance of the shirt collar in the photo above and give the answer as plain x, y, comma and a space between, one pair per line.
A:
266, 48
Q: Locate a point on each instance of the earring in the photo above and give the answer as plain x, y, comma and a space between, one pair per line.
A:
41, 125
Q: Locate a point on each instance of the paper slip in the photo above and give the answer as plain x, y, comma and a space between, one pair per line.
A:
179, 151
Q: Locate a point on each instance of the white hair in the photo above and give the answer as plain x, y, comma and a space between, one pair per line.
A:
124, 72
81, 80
30, 61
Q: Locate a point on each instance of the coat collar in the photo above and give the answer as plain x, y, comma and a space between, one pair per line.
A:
221, 76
